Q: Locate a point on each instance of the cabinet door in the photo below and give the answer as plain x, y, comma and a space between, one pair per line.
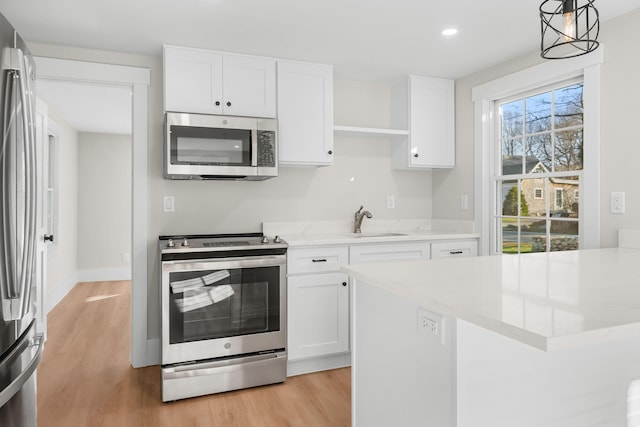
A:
249, 86
431, 122
192, 81
318, 315
305, 113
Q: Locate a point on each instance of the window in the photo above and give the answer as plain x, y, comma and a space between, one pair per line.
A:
538, 193
575, 169
540, 147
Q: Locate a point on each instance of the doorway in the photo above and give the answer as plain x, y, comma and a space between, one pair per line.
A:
137, 80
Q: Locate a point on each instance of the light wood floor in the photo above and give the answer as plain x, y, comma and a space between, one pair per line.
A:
85, 378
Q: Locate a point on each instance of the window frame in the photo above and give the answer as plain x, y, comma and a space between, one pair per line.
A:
484, 97
53, 188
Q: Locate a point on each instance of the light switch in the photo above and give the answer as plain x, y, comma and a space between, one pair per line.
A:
464, 202
168, 204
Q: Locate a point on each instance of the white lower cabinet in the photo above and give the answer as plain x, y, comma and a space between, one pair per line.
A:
318, 311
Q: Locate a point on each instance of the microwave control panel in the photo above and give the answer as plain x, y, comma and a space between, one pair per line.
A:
266, 148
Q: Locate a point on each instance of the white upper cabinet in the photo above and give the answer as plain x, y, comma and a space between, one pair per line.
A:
202, 81
305, 114
425, 106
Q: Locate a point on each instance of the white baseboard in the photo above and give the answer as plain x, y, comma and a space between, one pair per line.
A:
305, 366
59, 292
104, 274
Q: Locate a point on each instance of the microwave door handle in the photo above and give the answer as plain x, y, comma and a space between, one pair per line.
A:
254, 148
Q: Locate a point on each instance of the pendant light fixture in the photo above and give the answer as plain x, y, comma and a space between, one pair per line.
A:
569, 28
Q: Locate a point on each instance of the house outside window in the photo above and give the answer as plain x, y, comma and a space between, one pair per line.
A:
540, 143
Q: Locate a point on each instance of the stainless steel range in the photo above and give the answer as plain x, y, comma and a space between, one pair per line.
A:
223, 313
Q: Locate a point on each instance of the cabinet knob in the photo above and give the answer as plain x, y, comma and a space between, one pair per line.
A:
228, 104
217, 103
330, 152
48, 238
344, 283
415, 155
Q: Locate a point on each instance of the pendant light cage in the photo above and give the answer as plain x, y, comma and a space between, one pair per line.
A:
569, 28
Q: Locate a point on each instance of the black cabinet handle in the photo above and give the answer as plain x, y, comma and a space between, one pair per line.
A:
344, 283
48, 237
228, 104
217, 103
415, 155
318, 260
455, 252
330, 152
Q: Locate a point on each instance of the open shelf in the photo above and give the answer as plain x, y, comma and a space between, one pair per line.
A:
353, 130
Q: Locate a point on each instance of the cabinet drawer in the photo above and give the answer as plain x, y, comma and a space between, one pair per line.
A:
464, 248
389, 252
315, 260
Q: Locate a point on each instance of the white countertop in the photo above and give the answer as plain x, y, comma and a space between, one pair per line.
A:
547, 300
373, 231
353, 238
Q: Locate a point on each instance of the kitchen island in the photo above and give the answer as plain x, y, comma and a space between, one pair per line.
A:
549, 339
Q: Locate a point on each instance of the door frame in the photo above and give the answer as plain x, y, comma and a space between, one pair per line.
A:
138, 80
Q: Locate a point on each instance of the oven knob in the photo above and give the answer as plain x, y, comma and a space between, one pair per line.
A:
171, 243
185, 242
277, 239
265, 239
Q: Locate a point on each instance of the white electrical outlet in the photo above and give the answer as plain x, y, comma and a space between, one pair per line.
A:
431, 324
391, 202
617, 202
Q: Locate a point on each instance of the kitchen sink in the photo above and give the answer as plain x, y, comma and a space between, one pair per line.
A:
361, 235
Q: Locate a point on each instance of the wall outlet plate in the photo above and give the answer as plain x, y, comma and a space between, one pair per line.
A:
431, 325
617, 202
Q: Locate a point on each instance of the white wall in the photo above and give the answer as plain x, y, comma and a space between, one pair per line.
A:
620, 149
62, 261
297, 194
104, 205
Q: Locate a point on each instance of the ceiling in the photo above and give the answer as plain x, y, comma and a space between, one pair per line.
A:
89, 108
372, 40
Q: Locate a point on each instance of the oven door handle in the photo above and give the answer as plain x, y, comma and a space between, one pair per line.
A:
221, 263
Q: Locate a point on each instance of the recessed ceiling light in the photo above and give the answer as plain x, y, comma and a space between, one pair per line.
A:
450, 32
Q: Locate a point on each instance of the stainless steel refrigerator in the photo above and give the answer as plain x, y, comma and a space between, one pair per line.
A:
20, 345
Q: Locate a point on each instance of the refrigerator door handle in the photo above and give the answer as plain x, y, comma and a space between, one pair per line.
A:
27, 372
19, 244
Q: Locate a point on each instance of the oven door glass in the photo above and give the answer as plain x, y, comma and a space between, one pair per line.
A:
210, 146
210, 304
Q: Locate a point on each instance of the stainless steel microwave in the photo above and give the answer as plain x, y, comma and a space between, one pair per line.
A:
201, 146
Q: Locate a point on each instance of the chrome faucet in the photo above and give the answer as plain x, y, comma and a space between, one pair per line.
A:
359, 216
